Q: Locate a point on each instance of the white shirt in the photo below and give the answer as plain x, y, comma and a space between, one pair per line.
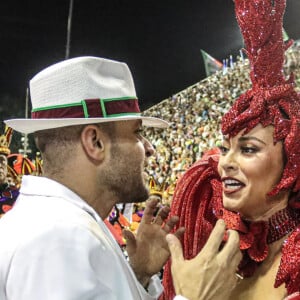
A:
55, 246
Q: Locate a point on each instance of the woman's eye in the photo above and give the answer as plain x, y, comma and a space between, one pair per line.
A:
223, 149
249, 149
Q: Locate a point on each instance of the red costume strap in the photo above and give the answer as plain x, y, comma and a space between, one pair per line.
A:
289, 269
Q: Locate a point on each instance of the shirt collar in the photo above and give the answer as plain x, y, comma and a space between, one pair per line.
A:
42, 186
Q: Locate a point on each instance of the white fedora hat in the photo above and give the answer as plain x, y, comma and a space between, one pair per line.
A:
82, 90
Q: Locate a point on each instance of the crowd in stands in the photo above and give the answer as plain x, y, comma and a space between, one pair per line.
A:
293, 62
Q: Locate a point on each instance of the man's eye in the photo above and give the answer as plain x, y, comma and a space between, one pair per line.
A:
139, 132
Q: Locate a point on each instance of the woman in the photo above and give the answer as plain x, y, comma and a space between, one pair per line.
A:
250, 166
253, 181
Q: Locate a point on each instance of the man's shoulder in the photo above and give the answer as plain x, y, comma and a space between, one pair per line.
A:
34, 218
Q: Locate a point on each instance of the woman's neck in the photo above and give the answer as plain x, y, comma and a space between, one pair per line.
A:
279, 224
280, 202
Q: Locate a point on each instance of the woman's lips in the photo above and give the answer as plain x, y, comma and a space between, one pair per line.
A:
231, 185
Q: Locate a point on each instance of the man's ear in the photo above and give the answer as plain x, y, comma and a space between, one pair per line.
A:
93, 142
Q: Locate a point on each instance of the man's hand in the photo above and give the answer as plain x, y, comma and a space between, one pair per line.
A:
211, 274
148, 251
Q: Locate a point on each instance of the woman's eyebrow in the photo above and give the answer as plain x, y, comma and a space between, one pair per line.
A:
248, 138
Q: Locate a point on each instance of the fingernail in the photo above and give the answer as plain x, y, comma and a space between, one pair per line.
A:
169, 238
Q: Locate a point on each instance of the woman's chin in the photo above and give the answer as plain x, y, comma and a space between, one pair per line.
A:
238, 208
232, 204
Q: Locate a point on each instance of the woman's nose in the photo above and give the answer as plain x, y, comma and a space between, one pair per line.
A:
228, 162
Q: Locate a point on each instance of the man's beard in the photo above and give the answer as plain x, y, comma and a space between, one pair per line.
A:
127, 182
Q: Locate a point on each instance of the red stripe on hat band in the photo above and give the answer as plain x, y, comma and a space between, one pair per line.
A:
90, 108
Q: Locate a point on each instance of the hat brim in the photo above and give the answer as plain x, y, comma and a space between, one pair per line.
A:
32, 125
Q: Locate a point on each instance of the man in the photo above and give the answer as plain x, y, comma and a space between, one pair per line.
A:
55, 245
8, 191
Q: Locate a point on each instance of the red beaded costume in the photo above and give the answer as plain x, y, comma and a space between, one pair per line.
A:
271, 100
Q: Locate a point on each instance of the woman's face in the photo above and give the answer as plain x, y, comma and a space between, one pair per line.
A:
250, 166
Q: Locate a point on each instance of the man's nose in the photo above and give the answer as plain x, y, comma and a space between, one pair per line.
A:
149, 149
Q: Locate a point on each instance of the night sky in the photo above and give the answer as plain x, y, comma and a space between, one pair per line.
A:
160, 40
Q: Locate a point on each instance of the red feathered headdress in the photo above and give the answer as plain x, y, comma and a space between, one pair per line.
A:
272, 100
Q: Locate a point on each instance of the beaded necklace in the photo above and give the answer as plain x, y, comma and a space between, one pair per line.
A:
282, 223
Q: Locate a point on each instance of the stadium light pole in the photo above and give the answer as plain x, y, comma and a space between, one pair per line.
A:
69, 29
